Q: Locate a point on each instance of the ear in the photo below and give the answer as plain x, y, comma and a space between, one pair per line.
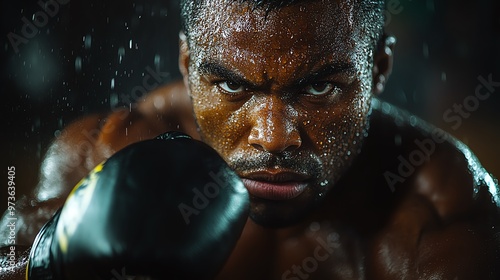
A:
382, 63
184, 58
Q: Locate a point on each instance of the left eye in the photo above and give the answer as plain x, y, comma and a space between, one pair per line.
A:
231, 87
319, 88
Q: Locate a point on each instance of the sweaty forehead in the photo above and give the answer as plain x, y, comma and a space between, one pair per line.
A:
309, 30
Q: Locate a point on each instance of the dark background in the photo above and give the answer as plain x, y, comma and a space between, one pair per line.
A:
92, 52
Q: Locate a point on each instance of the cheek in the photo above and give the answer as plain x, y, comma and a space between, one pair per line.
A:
221, 126
337, 132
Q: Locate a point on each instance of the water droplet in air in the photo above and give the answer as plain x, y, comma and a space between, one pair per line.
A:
121, 53
413, 121
157, 61
314, 226
334, 237
87, 41
78, 64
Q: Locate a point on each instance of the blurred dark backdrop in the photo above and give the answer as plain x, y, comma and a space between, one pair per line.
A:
87, 54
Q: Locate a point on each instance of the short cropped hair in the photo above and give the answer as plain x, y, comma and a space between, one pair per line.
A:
370, 12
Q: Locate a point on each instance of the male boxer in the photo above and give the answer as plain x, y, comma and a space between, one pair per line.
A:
342, 186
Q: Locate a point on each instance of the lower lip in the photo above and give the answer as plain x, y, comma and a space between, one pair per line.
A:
274, 191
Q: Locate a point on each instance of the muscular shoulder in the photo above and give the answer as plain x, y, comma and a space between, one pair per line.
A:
169, 106
434, 165
442, 220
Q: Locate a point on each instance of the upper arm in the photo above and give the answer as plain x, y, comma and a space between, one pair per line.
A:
463, 242
70, 157
445, 224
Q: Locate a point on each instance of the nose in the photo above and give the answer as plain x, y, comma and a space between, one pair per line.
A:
274, 127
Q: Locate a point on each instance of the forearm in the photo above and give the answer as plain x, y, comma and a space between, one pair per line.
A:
13, 260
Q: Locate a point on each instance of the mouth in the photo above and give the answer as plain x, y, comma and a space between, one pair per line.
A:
275, 184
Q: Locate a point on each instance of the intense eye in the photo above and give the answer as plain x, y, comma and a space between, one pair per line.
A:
231, 87
321, 88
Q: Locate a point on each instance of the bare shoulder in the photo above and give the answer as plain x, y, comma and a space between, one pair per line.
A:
170, 105
444, 218
436, 165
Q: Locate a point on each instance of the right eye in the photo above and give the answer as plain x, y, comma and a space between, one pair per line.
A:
319, 89
231, 87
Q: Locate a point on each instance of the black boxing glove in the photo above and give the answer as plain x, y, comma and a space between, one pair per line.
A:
168, 208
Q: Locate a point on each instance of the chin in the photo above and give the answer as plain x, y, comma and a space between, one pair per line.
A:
273, 222
283, 213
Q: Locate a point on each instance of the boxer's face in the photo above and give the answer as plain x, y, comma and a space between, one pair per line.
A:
283, 98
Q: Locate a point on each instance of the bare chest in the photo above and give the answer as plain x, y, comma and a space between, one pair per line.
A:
318, 254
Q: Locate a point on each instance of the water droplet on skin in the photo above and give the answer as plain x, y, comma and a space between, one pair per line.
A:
159, 102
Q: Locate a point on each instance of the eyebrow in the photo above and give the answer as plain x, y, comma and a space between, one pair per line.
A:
325, 72
219, 70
